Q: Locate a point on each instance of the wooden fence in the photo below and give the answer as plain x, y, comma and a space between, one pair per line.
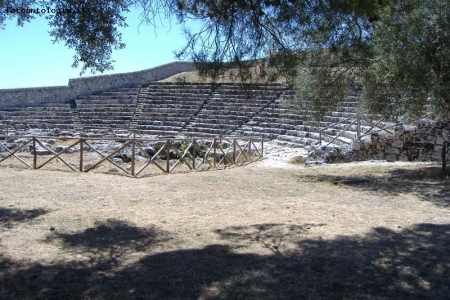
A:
137, 154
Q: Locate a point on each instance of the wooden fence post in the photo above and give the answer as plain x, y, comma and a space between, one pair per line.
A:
35, 154
214, 157
133, 155
168, 156
81, 155
250, 149
234, 151
262, 147
193, 154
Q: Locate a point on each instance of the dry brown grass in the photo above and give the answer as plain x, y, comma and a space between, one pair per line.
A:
231, 76
241, 233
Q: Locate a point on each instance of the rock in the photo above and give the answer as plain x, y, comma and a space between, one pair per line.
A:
148, 152
50, 141
21, 141
60, 148
392, 150
439, 141
55, 131
172, 155
391, 158
399, 130
158, 145
42, 151
397, 144
117, 160
66, 133
297, 160
176, 144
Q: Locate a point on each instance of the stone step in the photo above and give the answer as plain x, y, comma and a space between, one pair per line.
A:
229, 113
175, 91
39, 120
208, 130
205, 124
289, 144
106, 110
103, 121
218, 121
225, 117
106, 102
209, 107
111, 95
257, 129
106, 115
159, 117
277, 120
159, 128
270, 136
161, 123
342, 114
175, 111
185, 101
170, 106
238, 101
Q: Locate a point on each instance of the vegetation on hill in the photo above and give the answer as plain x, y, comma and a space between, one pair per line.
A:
396, 53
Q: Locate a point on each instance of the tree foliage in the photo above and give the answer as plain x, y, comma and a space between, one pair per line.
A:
395, 53
409, 71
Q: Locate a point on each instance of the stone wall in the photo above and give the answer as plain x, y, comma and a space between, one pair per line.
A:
35, 96
422, 142
88, 85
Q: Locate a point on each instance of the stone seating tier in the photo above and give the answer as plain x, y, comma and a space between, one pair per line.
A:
151, 122
256, 130
208, 130
104, 102
150, 107
165, 117
184, 102
225, 127
211, 115
293, 120
227, 113
159, 128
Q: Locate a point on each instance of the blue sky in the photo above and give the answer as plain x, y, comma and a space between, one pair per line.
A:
28, 58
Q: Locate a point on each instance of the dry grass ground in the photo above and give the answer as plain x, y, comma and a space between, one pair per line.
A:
350, 231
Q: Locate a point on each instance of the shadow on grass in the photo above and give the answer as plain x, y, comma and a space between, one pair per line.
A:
270, 235
109, 241
11, 217
424, 182
411, 264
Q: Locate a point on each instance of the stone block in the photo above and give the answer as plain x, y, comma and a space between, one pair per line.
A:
392, 150
399, 130
397, 144
355, 145
391, 158
403, 157
436, 156
439, 140
438, 149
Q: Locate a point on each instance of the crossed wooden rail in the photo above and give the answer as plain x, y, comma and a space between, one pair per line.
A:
238, 151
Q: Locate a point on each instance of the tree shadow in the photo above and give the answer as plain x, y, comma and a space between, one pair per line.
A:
423, 182
271, 236
384, 264
109, 241
11, 217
